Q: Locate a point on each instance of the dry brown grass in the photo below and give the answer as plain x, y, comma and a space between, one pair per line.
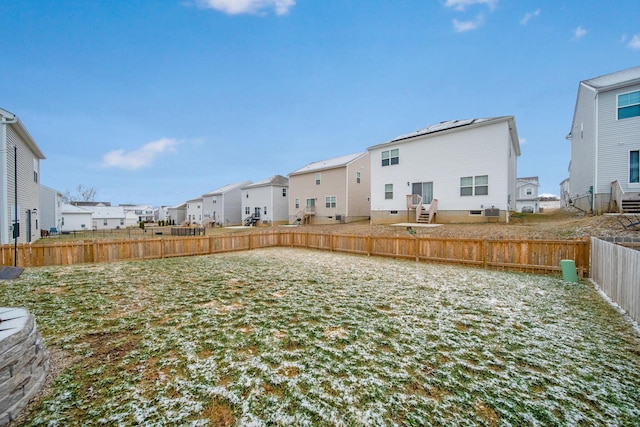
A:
553, 224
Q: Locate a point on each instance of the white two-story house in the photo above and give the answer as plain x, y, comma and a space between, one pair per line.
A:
223, 206
266, 202
604, 173
453, 171
527, 199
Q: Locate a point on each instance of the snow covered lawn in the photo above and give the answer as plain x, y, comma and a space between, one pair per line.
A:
295, 337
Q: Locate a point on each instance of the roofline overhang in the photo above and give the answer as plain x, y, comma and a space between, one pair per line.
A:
615, 86
510, 119
489, 121
23, 133
343, 165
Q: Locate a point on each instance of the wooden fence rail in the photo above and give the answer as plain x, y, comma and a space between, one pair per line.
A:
537, 256
616, 270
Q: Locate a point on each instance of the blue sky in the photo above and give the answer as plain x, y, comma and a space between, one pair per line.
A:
161, 101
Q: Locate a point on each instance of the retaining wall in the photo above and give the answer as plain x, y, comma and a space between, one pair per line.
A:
24, 361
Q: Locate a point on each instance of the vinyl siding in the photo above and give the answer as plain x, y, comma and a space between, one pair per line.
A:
227, 209
443, 159
615, 139
269, 196
28, 189
583, 143
359, 205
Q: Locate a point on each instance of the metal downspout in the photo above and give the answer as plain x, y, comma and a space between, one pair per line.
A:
597, 149
4, 179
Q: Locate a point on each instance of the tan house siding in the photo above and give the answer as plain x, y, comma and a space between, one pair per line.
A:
335, 181
359, 194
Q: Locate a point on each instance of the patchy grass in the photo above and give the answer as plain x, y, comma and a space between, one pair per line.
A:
293, 337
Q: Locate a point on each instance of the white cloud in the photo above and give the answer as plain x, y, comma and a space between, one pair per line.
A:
140, 158
634, 43
237, 7
462, 26
528, 16
462, 4
579, 32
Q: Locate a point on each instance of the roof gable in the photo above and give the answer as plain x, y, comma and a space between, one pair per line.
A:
336, 162
454, 126
18, 127
226, 188
277, 180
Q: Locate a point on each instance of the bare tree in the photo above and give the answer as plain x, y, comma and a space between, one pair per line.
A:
81, 194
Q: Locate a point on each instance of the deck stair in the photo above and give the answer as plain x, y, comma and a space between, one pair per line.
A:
427, 215
631, 206
251, 220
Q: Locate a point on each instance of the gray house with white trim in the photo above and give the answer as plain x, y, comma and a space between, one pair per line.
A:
19, 181
604, 173
223, 206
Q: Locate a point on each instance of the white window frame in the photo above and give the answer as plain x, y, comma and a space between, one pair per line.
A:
635, 102
634, 183
388, 191
330, 202
391, 157
472, 184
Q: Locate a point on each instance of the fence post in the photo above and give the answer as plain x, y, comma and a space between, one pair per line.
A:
485, 252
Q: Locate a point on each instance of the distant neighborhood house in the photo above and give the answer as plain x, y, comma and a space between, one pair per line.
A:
223, 206
177, 214
335, 190
107, 217
194, 211
74, 218
527, 194
604, 172
266, 202
50, 210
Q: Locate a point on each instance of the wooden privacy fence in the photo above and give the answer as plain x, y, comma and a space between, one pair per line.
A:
616, 270
537, 256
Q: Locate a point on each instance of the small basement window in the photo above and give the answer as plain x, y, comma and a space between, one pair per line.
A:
475, 213
393, 212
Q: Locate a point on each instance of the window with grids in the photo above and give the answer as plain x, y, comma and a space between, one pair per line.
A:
634, 167
629, 105
317, 179
357, 177
474, 185
388, 191
330, 201
391, 157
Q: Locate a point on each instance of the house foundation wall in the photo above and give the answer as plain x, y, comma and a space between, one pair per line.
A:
601, 205
323, 220
442, 217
